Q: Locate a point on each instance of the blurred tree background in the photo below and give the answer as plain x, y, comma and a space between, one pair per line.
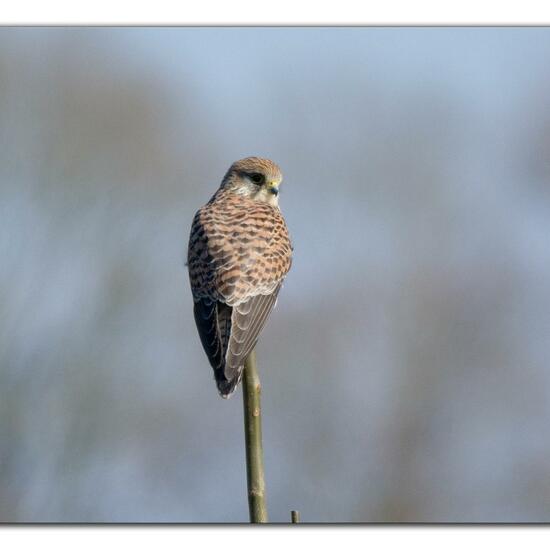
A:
405, 369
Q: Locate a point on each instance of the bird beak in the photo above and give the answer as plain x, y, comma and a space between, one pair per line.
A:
273, 187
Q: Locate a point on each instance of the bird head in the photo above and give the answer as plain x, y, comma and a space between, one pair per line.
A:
256, 178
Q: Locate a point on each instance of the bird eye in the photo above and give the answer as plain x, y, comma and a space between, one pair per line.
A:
257, 178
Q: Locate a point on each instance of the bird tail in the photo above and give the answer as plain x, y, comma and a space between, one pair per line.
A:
215, 322
227, 375
226, 388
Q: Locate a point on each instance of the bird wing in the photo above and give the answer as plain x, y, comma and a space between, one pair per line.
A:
247, 321
209, 318
228, 334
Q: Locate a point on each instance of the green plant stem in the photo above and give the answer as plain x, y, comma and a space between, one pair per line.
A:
253, 441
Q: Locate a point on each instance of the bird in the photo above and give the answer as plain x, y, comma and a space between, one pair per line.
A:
238, 256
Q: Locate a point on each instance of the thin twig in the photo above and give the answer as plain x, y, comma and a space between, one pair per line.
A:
253, 441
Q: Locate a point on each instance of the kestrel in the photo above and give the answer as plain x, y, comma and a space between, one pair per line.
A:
239, 254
